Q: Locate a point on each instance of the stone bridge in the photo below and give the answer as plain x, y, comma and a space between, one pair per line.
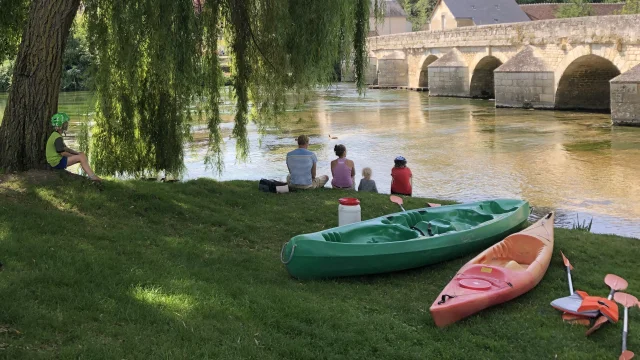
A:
587, 63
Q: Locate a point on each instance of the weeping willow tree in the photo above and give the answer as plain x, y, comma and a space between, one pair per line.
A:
155, 58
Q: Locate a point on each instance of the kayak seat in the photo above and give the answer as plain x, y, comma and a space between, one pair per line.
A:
332, 236
516, 252
435, 227
408, 219
471, 217
380, 233
496, 208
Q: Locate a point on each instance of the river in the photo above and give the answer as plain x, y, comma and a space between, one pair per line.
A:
458, 149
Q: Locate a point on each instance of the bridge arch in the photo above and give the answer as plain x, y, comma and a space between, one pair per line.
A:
482, 83
423, 81
584, 84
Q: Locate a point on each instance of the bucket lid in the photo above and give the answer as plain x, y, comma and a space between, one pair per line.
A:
349, 201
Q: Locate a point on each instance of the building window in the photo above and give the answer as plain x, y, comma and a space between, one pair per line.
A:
473, 7
443, 21
497, 7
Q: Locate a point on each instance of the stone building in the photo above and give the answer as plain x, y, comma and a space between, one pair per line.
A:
450, 14
394, 22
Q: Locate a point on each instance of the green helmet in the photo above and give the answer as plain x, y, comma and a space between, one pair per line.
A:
59, 119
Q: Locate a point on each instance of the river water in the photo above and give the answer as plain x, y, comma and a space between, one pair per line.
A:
457, 149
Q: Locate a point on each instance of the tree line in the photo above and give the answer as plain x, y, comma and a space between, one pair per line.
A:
77, 63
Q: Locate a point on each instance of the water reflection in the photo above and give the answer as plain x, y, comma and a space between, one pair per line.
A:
459, 149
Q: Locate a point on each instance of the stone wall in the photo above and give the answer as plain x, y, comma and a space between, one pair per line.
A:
371, 74
533, 89
392, 72
625, 99
625, 104
448, 81
560, 32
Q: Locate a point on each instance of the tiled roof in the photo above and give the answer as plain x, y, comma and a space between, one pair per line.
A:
485, 12
548, 11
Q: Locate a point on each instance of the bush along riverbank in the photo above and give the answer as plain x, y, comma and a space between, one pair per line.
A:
142, 270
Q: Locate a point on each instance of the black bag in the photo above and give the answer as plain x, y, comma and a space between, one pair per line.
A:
270, 185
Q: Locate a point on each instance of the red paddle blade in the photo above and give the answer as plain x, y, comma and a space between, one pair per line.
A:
566, 261
626, 355
396, 199
599, 322
625, 299
615, 282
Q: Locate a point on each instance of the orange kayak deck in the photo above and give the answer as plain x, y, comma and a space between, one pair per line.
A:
503, 272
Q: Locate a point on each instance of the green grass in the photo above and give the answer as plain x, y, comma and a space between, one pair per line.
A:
191, 270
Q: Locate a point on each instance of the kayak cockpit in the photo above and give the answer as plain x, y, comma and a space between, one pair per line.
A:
410, 225
517, 252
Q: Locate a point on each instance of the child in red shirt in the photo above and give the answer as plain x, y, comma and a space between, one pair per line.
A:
401, 177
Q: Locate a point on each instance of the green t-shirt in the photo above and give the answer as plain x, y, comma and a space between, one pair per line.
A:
55, 145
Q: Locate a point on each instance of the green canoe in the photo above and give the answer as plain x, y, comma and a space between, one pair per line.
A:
402, 240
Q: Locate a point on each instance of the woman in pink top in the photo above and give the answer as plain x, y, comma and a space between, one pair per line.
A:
343, 170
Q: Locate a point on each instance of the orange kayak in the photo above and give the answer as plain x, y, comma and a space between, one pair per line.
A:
503, 272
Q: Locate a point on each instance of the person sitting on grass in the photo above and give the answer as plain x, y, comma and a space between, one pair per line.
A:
302, 167
366, 184
59, 156
401, 177
343, 170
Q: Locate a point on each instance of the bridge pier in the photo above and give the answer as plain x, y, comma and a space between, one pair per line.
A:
393, 72
625, 100
449, 76
525, 81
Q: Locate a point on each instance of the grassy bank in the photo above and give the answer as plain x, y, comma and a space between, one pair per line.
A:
146, 270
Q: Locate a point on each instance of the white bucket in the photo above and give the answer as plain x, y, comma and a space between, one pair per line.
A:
349, 211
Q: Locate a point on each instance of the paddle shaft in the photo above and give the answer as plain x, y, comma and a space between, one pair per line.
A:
570, 282
625, 329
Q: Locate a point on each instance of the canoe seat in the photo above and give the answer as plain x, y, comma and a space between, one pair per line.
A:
506, 263
517, 250
437, 226
407, 219
494, 207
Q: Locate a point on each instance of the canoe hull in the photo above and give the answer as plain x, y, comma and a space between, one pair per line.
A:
501, 273
307, 257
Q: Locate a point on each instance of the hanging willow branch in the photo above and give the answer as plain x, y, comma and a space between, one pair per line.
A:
158, 57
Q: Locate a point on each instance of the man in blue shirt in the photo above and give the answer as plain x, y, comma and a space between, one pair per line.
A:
302, 167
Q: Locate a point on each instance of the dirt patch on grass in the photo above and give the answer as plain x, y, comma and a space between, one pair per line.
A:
37, 177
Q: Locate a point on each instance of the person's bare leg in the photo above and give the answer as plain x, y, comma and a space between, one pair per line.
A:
82, 159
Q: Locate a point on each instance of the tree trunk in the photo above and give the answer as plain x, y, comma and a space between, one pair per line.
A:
36, 85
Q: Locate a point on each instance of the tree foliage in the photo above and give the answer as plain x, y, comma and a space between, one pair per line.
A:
631, 7
155, 58
575, 8
418, 12
77, 61
13, 14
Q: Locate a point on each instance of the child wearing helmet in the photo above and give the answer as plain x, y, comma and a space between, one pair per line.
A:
401, 177
59, 156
